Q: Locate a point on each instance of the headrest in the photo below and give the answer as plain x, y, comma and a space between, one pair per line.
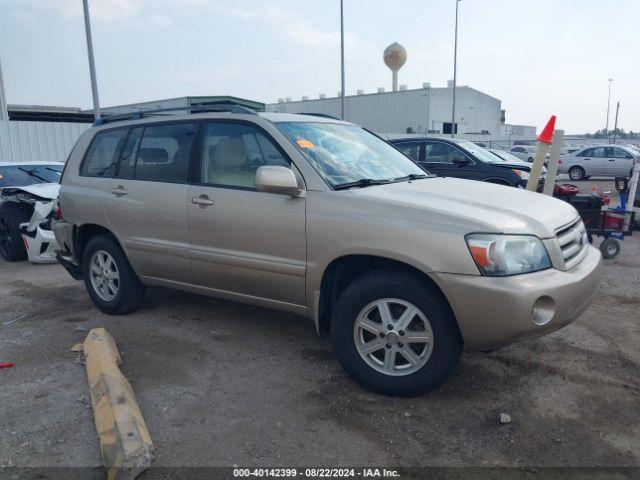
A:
230, 152
153, 155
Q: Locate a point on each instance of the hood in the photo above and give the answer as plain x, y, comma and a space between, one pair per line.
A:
474, 206
512, 164
48, 191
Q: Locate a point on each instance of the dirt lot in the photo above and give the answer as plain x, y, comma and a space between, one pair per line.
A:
224, 384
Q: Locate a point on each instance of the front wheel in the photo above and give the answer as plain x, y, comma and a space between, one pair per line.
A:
610, 247
395, 334
576, 173
110, 281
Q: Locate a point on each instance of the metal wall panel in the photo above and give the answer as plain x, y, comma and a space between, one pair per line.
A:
419, 110
38, 141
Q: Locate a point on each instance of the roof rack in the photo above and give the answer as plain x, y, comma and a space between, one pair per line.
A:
324, 115
218, 107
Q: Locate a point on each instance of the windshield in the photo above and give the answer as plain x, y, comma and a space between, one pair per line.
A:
22, 175
478, 152
345, 154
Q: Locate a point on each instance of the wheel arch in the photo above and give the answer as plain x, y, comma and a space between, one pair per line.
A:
340, 272
84, 233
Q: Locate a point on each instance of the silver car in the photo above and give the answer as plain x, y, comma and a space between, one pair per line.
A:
599, 160
319, 217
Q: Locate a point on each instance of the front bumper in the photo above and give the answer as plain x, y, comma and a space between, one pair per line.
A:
493, 312
40, 244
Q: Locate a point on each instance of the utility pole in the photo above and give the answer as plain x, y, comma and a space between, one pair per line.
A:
341, 59
4, 111
455, 67
606, 128
92, 66
615, 126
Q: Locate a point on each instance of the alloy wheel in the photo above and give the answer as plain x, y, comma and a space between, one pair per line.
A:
393, 336
105, 278
576, 174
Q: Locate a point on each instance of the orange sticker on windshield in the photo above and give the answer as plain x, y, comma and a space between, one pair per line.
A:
305, 143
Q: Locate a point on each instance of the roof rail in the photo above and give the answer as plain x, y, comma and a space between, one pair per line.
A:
324, 115
216, 107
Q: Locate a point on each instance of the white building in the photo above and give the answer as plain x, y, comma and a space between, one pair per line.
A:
422, 111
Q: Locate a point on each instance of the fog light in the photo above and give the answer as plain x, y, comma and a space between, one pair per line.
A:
543, 310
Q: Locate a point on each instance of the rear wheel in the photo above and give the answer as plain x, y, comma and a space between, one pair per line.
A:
110, 281
12, 247
576, 173
394, 334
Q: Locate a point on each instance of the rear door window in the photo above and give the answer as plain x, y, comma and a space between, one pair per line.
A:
101, 158
410, 149
164, 152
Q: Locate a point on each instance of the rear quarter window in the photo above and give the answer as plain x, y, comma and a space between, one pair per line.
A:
101, 158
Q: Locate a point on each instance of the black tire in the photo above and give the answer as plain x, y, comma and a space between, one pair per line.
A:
130, 291
447, 343
12, 247
576, 174
609, 248
530, 159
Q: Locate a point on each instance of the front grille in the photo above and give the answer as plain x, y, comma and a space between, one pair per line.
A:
572, 240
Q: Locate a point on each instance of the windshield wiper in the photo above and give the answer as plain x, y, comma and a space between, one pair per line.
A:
33, 174
411, 176
363, 182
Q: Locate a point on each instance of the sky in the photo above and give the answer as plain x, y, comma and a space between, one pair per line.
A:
539, 57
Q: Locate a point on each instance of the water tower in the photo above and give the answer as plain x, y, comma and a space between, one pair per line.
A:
395, 57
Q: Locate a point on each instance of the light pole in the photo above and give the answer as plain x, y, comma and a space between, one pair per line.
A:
341, 60
615, 125
92, 66
606, 128
455, 66
4, 112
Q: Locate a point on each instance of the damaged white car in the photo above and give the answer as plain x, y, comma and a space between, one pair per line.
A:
28, 202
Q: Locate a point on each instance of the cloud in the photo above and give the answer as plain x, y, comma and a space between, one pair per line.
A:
101, 11
297, 28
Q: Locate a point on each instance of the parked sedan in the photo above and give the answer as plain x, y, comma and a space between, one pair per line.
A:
463, 159
601, 160
524, 152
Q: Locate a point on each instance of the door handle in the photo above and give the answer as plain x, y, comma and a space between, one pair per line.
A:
202, 200
119, 191
612, 159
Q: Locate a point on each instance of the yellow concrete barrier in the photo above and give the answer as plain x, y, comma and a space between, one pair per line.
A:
125, 442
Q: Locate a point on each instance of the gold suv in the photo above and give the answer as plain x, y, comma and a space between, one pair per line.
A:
320, 217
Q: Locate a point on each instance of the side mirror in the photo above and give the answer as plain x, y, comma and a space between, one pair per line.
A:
460, 161
277, 179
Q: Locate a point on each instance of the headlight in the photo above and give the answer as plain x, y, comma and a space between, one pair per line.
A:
500, 255
521, 173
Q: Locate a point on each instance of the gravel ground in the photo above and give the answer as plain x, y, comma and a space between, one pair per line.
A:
224, 384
